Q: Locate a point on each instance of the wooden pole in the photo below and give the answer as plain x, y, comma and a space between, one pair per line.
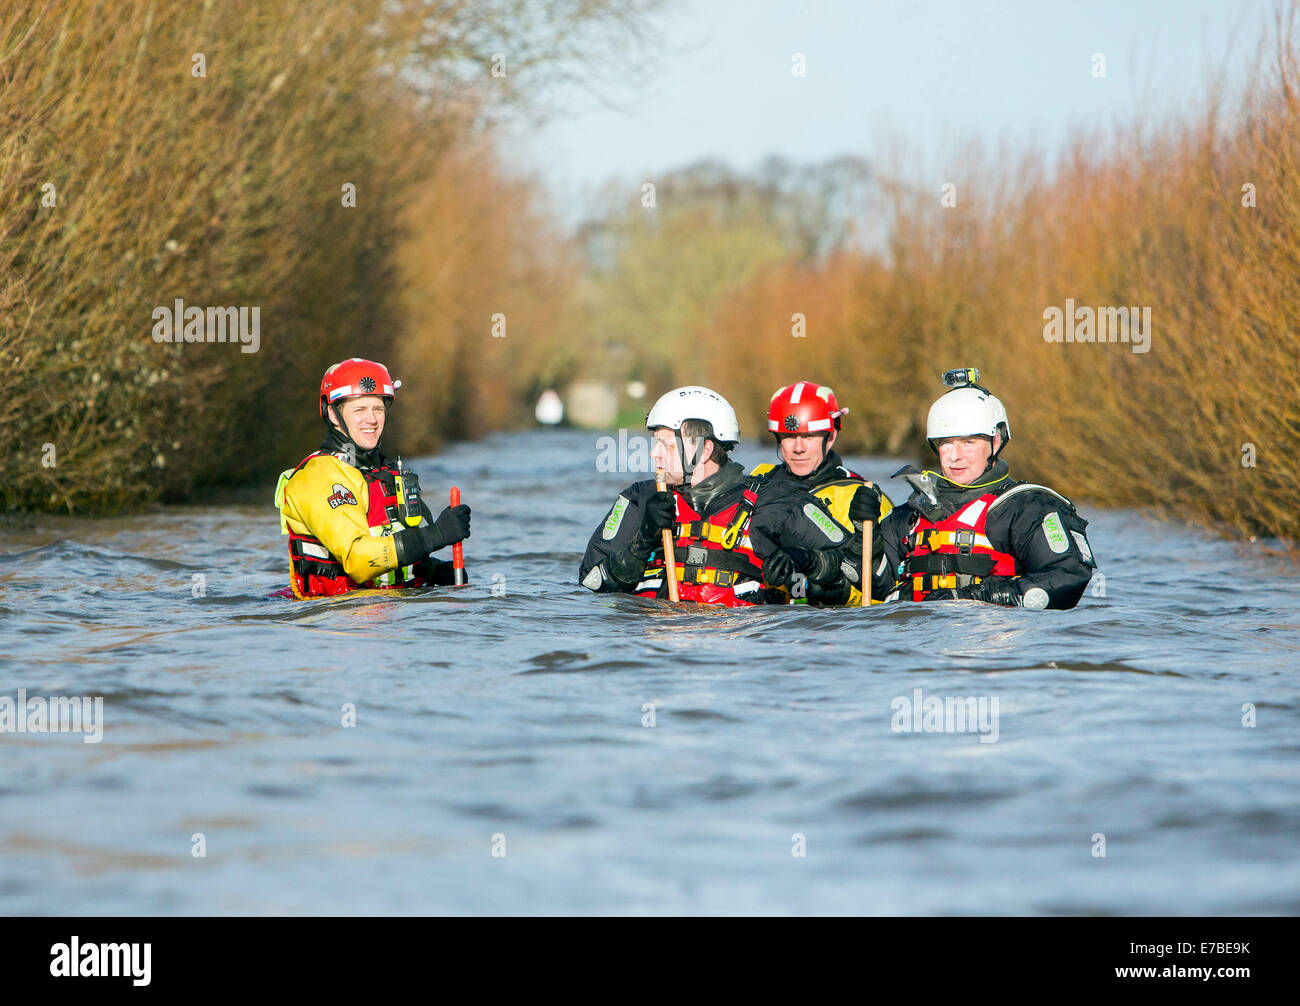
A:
670, 554
866, 564
867, 572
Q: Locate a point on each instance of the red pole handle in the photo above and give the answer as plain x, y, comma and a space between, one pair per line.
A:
457, 550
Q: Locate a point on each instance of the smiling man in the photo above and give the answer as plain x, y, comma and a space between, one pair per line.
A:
354, 518
970, 531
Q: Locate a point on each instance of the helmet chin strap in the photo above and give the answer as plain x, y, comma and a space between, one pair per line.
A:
994, 455
341, 424
688, 467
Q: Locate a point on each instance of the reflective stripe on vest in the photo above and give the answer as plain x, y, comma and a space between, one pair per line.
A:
314, 570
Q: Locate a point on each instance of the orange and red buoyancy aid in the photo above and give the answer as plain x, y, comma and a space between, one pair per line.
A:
315, 571
954, 552
716, 563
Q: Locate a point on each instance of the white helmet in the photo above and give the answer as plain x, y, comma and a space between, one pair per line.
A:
694, 402
965, 412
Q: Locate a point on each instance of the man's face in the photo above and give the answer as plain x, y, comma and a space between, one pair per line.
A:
803, 452
664, 454
365, 418
963, 459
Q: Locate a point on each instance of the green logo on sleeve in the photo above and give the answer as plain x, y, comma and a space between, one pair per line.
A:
615, 518
827, 526
1055, 534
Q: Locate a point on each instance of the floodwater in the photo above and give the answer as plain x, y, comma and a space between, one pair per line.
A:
522, 745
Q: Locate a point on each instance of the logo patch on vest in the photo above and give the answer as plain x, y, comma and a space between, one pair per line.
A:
341, 494
1055, 534
1084, 550
615, 518
827, 526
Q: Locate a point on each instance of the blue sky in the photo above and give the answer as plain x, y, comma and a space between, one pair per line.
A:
933, 73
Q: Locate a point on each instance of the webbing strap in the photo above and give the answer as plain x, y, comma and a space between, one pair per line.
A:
924, 584
965, 540
949, 562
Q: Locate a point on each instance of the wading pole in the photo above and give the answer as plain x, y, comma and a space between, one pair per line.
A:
867, 573
457, 550
866, 564
670, 554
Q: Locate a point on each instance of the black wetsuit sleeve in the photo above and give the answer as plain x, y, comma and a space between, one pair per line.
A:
615, 559
801, 523
1040, 531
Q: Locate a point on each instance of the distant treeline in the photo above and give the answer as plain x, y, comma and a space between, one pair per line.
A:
1181, 242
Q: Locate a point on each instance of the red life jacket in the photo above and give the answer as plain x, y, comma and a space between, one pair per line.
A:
954, 552
716, 563
316, 572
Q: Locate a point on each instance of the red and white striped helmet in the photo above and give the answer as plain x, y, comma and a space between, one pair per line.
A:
353, 378
804, 407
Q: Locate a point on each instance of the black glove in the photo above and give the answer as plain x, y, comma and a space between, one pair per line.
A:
821, 566
941, 594
658, 514
779, 569
836, 595
994, 589
439, 572
415, 543
451, 526
865, 506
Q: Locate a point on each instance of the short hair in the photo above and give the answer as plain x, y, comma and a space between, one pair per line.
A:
704, 428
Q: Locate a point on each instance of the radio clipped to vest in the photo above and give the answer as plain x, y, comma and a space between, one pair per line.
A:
409, 511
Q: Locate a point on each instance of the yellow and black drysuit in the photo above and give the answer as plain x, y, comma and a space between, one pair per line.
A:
345, 513
835, 485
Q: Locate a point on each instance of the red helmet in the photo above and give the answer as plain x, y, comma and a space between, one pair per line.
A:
355, 377
804, 407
